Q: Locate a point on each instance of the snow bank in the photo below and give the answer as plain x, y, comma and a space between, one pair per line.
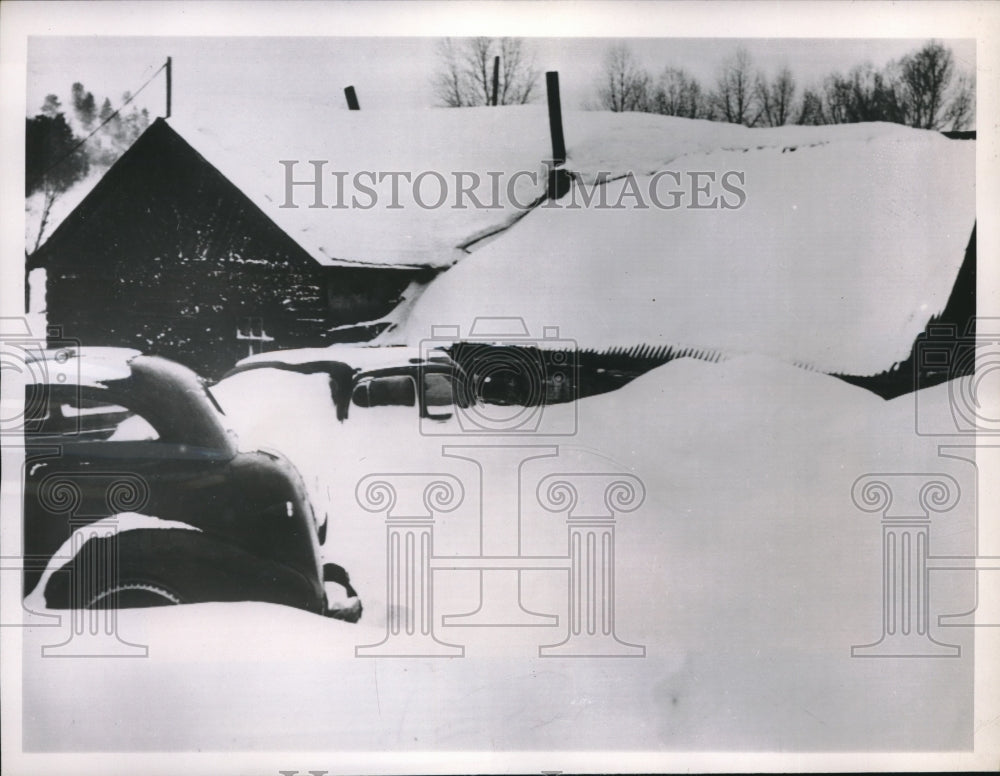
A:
747, 574
275, 409
840, 254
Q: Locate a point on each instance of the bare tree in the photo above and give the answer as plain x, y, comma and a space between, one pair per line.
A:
465, 73
923, 89
963, 103
865, 94
678, 94
518, 76
924, 77
624, 85
735, 98
838, 100
776, 98
934, 93
811, 110
449, 81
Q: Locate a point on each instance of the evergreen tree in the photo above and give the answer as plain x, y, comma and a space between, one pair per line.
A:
54, 161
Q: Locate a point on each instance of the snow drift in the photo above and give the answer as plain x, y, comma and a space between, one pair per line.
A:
849, 240
747, 574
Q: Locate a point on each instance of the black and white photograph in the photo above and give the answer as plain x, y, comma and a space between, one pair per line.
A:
473, 387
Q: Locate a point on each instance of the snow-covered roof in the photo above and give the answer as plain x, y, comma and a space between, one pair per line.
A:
849, 240
247, 145
504, 148
247, 141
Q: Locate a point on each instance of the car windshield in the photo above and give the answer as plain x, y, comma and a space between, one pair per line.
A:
438, 389
84, 414
158, 402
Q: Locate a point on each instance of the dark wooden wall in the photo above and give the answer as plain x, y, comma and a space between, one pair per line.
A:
167, 256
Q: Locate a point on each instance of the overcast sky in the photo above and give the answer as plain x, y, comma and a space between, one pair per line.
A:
396, 72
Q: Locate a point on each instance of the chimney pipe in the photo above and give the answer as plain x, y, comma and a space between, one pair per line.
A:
170, 68
352, 98
559, 179
496, 78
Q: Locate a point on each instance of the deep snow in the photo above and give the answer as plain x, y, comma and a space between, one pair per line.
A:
838, 258
747, 574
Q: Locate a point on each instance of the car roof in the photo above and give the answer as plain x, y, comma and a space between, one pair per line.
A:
360, 357
169, 395
91, 366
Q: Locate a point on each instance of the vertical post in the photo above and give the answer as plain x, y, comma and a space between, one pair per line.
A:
555, 118
352, 98
496, 79
558, 179
170, 82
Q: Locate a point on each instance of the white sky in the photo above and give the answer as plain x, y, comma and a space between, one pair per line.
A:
394, 71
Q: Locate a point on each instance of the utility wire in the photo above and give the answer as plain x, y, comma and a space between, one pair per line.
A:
100, 126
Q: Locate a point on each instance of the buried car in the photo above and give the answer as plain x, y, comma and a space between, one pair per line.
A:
371, 376
137, 494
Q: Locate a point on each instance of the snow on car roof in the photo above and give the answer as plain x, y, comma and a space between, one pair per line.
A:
365, 358
90, 366
360, 357
842, 251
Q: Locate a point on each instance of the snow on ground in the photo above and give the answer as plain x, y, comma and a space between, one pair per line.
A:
747, 574
838, 258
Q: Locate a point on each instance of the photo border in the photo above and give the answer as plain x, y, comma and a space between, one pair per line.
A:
19, 20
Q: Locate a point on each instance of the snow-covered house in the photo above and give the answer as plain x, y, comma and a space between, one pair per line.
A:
832, 248
202, 244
